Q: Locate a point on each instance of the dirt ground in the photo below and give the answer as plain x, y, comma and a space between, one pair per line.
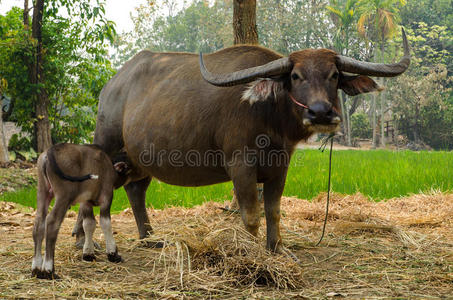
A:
400, 248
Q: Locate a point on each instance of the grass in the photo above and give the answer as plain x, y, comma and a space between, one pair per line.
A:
377, 174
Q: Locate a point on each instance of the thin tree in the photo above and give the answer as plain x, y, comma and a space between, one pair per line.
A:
41, 99
244, 22
4, 157
378, 21
342, 12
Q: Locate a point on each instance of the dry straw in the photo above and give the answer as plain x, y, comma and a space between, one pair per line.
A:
399, 248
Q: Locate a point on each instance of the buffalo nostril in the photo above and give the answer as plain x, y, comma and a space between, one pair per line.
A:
330, 114
311, 113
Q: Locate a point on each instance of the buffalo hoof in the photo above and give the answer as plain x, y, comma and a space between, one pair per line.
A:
114, 257
88, 257
35, 272
151, 244
276, 248
49, 275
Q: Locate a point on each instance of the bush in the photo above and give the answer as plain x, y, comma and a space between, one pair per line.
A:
360, 126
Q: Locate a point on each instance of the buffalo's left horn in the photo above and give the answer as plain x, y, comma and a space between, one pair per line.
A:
273, 68
351, 65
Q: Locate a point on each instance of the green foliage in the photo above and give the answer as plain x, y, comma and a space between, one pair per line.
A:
430, 12
21, 147
74, 64
198, 27
377, 174
15, 53
361, 127
343, 14
203, 26
287, 26
423, 107
432, 45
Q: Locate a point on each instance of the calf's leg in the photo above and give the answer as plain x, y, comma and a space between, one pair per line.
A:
53, 223
44, 196
78, 232
89, 225
106, 225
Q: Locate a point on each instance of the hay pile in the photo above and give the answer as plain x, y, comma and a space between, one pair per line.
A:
398, 248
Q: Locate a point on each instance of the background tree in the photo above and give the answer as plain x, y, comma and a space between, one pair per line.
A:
73, 69
76, 65
344, 17
244, 22
40, 97
378, 22
198, 27
3, 147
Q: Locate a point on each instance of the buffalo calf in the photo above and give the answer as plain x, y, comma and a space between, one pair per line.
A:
74, 174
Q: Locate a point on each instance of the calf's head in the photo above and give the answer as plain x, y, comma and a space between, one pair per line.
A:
310, 79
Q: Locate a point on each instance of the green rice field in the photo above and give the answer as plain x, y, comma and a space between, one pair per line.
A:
379, 174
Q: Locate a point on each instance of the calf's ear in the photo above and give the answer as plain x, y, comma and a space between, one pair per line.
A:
357, 84
262, 89
120, 167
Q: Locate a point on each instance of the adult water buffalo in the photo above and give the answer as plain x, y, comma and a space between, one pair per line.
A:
192, 128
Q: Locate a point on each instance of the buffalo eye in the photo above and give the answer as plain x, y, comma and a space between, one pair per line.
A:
334, 76
294, 76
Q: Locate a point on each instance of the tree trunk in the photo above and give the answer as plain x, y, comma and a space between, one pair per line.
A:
382, 97
4, 157
26, 22
373, 111
343, 118
244, 22
42, 125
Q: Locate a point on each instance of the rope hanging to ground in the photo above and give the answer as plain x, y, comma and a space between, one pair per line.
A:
322, 148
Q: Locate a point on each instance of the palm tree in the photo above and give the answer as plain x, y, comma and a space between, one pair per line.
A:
342, 13
378, 22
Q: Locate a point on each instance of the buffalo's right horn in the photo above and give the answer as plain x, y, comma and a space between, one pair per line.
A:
351, 65
276, 67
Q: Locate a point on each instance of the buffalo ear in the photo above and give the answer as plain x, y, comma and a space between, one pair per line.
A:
120, 167
357, 84
262, 89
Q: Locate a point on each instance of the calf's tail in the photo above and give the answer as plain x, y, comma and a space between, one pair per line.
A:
54, 167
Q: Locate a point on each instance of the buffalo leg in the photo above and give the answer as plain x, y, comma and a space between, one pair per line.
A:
44, 196
272, 192
106, 226
136, 192
89, 225
244, 181
53, 223
78, 232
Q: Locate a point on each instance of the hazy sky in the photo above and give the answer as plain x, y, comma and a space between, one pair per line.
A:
115, 10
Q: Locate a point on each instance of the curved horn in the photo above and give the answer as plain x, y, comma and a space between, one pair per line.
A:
272, 68
351, 65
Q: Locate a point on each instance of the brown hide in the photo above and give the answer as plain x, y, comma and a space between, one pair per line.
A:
160, 99
162, 113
